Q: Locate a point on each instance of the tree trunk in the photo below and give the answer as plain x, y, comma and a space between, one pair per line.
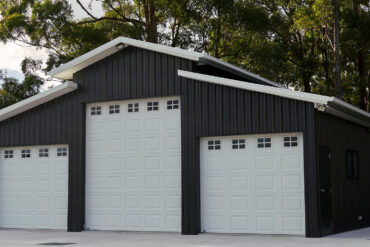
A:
368, 90
328, 80
338, 82
306, 83
361, 64
151, 22
362, 77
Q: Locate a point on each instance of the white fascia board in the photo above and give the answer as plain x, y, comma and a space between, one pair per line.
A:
37, 100
282, 92
332, 105
174, 51
66, 71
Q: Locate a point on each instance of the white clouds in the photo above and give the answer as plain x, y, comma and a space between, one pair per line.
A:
96, 8
11, 54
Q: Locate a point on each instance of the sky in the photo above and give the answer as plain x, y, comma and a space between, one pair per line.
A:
11, 54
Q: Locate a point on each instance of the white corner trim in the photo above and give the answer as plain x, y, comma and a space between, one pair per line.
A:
283, 92
37, 100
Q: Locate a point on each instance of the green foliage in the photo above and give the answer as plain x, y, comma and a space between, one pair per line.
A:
12, 91
287, 41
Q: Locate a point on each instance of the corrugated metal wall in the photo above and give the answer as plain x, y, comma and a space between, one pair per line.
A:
206, 110
351, 198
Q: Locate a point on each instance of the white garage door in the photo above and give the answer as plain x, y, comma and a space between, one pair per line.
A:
34, 187
133, 165
253, 184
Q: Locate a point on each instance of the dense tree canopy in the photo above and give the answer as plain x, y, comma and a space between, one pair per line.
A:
289, 41
12, 91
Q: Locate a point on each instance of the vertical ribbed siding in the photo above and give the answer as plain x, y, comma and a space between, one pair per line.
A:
350, 198
206, 110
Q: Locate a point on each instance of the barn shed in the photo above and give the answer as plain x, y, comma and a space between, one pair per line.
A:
145, 137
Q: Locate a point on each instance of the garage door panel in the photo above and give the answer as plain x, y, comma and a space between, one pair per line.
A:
141, 182
35, 187
247, 187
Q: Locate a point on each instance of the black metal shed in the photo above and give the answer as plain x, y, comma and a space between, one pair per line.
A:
333, 133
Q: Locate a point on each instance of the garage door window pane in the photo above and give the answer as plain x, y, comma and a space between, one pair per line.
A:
214, 145
44, 152
238, 144
264, 142
172, 104
114, 109
290, 141
96, 110
62, 152
133, 107
26, 153
152, 106
8, 154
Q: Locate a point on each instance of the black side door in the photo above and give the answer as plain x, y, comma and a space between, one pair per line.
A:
325, 193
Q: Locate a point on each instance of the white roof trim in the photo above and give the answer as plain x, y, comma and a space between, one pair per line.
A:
333, 105
66, 71
37, 100
283, 92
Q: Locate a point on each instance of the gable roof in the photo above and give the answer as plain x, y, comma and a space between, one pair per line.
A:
37, 100
66, 71
328, 104
331, 105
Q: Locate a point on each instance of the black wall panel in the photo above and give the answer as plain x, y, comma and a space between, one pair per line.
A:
206, 110
351, 198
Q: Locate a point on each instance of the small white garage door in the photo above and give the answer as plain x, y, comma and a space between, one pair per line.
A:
133, 165
253, 184
34, 187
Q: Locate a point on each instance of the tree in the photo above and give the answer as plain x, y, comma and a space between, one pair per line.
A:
12, 91
293, 42
338, 82
355, 44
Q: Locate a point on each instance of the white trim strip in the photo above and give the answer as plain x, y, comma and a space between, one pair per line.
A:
333, 105
37, 100
283, 92
66, 71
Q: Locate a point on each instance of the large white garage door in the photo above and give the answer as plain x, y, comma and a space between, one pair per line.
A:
133, 165
253, 184
34, 187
